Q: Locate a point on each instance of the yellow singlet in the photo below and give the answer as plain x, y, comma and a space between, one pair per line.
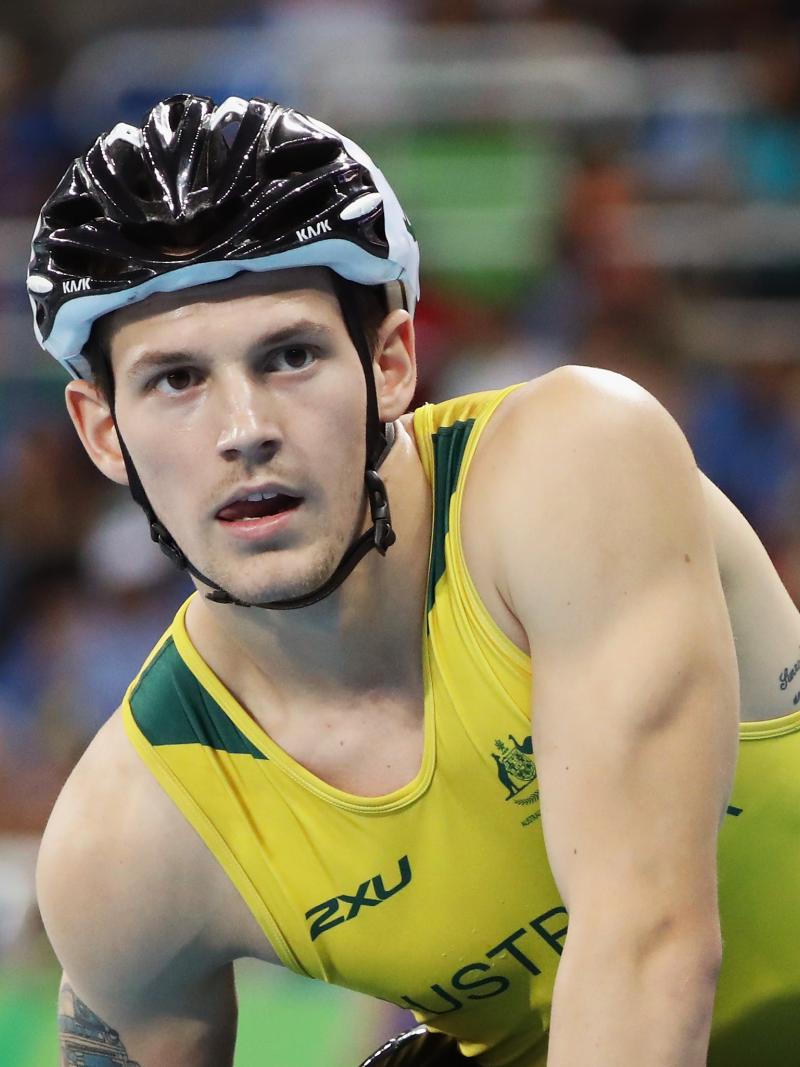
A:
438, 896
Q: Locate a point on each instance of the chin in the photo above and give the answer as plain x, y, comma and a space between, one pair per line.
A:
293, 582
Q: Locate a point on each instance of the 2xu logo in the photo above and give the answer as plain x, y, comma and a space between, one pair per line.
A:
328, 912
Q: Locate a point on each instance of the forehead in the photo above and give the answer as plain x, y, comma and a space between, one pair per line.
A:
309, 290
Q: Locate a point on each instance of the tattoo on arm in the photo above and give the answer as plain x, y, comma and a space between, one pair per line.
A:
86, 1041
787, 676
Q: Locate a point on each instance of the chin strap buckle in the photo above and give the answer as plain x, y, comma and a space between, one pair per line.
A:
385, 536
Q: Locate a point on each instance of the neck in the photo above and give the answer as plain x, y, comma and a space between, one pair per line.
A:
365, 636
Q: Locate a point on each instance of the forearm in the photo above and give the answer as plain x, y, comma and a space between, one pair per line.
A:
621, 1009
181, 1041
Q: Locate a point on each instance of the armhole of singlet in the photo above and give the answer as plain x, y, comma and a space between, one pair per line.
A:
211, 837
758, 730
518, 660
748, 731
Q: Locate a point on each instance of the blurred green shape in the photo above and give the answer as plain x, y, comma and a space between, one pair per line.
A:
482, 201
28, 1017
288, 1021
284, 1021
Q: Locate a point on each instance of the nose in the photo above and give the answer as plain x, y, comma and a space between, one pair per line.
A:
247, 430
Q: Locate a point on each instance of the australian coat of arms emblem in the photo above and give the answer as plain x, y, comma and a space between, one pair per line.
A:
515, 767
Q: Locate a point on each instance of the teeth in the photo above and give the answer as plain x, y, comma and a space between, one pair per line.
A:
261, 496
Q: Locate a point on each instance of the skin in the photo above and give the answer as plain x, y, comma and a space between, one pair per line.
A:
620, 596
634, 628
253, 426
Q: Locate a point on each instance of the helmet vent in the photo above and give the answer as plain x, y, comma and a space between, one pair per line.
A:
230, 131
183, 239
132, 171
376, 228
176, 109
67, 213
301, 157
80, 263
294, 213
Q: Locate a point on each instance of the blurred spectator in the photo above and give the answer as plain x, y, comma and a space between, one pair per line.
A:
746, 437
765, 144
492, 353
598, 272
31, 159
50, 494
309, 39
85, 631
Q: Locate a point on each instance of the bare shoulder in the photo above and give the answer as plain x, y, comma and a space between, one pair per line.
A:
571, 470
571, 408
125, 887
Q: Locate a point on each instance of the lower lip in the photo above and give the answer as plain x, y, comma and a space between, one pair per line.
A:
260, 529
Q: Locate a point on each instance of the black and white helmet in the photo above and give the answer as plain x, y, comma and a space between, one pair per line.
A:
199, 193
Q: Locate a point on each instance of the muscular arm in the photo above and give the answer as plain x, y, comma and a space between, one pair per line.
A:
155, 1036
609, 566
80, 1032
144, 984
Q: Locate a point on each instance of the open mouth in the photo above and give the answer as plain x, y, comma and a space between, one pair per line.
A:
258, 506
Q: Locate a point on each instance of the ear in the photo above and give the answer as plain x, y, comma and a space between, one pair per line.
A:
91, 417
395, 365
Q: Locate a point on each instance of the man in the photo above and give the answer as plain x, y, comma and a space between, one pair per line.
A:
329, 761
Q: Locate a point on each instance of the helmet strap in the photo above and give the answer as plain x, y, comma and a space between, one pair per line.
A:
379, 439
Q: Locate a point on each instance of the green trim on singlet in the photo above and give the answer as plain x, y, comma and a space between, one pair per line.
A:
449, 444
170, 707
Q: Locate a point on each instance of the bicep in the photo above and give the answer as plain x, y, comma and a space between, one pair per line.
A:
610, 568
635, 741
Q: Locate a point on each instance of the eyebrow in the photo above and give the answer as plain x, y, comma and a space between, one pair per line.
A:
301, 328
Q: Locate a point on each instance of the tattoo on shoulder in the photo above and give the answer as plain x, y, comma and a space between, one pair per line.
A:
86, 1041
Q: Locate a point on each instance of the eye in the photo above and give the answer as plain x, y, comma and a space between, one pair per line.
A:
172, 382
293, 357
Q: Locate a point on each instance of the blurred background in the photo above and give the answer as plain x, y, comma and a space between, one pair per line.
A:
613, 183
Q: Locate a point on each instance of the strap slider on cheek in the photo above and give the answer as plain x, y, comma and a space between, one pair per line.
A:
161, 536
